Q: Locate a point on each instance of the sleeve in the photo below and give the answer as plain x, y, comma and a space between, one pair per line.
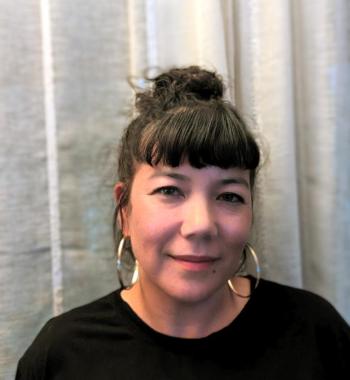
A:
333, 337
341, 335
26, 372
32, 365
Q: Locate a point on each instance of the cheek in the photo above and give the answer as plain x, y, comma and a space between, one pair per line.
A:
147, 229
238, 229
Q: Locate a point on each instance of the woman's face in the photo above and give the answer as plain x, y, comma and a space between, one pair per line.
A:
188, 227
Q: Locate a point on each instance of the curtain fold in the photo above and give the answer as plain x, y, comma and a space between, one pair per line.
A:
265, 94
287, 64
322, 68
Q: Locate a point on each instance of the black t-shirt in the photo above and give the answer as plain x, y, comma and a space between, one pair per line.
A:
282, 333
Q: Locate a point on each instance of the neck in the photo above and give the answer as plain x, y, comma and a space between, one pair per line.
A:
182, 319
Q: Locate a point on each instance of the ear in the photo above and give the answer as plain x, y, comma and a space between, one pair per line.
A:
119, 189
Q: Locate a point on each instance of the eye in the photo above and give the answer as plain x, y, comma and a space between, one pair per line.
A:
231, 198
168, 191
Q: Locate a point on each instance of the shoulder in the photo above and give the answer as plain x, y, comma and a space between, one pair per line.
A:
59, 333
305, 311
100, 308
318, 322
299, 300
82, 318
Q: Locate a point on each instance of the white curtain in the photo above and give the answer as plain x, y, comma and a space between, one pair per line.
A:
64, 100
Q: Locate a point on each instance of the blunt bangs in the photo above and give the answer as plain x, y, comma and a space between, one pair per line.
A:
206, 135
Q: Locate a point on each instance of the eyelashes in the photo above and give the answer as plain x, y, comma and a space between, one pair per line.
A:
174, 192
168, 191
231, 198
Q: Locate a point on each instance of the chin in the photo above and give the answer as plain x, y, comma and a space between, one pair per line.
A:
191, 293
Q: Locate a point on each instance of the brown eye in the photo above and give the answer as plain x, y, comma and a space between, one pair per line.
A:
168, 191
231, 198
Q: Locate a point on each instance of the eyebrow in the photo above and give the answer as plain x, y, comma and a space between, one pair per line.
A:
236, 181
184, 178
179, 176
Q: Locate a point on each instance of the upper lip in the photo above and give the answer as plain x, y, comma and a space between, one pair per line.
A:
194, 258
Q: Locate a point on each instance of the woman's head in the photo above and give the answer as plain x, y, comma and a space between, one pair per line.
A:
185, 117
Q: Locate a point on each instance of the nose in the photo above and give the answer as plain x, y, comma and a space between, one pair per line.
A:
198, 219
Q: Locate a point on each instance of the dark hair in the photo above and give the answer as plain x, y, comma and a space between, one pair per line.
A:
184, 116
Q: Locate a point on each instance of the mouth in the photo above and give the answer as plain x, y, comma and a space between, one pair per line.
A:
194, 262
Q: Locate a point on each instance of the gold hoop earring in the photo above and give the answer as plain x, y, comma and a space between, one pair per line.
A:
257, 271
135, 272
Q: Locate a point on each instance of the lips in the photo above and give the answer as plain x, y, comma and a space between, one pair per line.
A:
194, 258
194, 263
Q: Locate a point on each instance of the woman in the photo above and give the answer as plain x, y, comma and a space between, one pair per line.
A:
187, 168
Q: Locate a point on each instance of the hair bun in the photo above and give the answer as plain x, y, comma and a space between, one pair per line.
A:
190, 82
178, 87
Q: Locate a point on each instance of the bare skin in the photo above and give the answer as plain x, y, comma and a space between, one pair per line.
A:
187, 228
187, 321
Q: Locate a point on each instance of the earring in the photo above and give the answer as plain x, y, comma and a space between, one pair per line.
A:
135, 272
250, 249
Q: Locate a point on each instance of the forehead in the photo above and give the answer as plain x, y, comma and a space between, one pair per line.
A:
187, 173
